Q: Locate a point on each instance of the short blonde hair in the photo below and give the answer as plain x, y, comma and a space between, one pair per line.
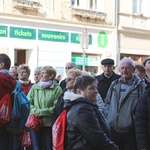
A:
75, 72
50, 70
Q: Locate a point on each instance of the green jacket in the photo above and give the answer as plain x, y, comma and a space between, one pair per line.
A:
44, 100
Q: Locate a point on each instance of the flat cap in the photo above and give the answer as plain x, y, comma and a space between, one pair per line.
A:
107, 61
145, 60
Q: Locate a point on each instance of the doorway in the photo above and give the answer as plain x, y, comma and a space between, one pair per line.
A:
20, 56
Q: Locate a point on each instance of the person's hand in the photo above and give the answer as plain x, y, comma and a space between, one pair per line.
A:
36, 113
58, 77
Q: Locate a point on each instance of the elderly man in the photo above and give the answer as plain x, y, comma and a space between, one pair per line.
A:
107, 77
121, 100
69, 65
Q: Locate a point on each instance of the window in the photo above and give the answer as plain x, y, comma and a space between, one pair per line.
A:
141, 7
95, 5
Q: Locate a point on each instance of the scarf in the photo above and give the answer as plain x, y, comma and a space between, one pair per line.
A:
46, 84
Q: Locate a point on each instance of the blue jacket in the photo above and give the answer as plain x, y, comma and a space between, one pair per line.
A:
142, 120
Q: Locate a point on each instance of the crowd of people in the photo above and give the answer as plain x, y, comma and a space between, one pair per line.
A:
109, 111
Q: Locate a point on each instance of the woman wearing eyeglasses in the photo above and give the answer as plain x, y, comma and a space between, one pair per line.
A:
43, 97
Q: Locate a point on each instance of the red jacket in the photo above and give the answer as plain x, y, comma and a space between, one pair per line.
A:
7, 84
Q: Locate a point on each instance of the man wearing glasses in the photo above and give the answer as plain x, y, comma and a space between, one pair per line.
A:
120, 104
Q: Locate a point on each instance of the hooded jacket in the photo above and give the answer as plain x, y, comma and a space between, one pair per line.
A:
7, 84
120, 110
86, 127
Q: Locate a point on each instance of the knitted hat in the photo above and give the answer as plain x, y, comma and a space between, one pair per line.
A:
145, 60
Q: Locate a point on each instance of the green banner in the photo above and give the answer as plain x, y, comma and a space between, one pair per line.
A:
102, 39
90, 60
22, 33
3, 31
75, 38
54, 36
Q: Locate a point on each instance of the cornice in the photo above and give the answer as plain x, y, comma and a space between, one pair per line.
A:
49, 21
133, 30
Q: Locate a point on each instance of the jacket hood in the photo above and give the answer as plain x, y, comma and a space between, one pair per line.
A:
71, 99
71, 96
137, 80
7, 84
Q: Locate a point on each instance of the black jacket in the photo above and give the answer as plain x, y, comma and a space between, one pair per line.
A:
59, 106
104, 83
142, 120
86, 127
63, 84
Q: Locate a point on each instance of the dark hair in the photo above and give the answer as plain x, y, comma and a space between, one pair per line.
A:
83, 82
6, 60
140, 68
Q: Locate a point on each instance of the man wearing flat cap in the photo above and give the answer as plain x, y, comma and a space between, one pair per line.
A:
107, 77
146, 64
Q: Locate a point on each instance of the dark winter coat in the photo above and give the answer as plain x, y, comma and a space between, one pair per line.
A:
142, 120
104, 83
86, 127
59, 106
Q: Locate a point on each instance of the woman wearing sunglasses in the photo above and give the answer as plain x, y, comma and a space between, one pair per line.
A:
72, 74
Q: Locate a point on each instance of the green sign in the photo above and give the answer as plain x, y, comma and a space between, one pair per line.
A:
102, 39
55, 36
3, 31
22, 33
75, 38
78, 59
89, 60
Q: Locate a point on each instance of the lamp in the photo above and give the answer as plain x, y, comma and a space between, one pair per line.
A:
84, 39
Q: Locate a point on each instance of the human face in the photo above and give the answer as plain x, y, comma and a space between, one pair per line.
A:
45, 76
90, 92
107, 69
14, 72
68, 66
69, 82
37, 76
147, 65
126, 70
23, 75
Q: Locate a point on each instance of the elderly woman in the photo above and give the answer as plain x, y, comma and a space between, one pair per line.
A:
43, 97
86, 127
72, 74
37, 76
23, 76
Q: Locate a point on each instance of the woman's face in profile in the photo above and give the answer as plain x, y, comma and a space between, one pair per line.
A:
90, 92
70, 81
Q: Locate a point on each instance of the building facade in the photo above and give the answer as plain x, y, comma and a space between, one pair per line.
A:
45, 32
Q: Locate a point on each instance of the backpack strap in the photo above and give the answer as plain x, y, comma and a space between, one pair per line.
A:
17, 88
